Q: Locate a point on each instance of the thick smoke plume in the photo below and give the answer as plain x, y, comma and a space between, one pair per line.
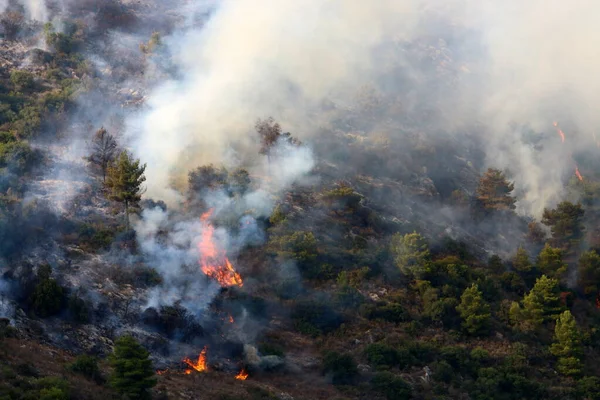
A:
517, 62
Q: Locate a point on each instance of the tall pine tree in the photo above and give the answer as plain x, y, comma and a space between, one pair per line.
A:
133, 375
567, 345
125, 180
474, 311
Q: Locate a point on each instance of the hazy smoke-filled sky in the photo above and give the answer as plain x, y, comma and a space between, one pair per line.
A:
534, 62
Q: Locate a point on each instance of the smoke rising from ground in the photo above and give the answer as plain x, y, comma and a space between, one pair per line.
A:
518, 63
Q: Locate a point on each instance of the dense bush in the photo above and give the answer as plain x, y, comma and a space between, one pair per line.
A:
341, 367
391, 386
48, 297
87, 366
22, 79
313, 318
383, 356
391, 312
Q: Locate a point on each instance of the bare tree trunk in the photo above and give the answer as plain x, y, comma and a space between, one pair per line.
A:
127, 215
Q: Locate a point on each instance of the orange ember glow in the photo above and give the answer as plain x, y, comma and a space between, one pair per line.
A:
242, 376
560, 132
213, 261
162, 372
578, 174
200, 365
231, 319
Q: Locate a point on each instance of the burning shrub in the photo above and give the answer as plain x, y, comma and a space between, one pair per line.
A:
341, 367
391, 386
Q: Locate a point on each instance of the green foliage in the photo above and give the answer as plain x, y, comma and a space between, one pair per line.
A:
125, 180
588, 279
17, 156
353, 278
94, 237
22, 79
411, 253
28, 121
474, 311
567, 345
383, 356
342, 198
277, 216
300, 246
86, 366
391, 312
494, 191
541, 304
48, 296
588, 388
78, 309
550, 262
341, 367
314, 318
391, 386
348, 297
132, 374
521, 262
566, 225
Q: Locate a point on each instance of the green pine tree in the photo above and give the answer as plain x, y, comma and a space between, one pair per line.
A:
566, 225
132, 374
589, 274
541, 304
474, 311
411, 253
550, 262
521, 262
125, 180
567, 345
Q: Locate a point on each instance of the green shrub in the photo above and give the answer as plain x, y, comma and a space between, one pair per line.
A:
383, 356
271, 349
391, 386
48, 296
86, 366
391, 312
22, 79
342, 367
313, 318
78, 309
348, 297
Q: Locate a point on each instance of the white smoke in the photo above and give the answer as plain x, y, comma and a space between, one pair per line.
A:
525, 62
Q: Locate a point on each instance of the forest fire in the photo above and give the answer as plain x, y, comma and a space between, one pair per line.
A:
200, 365
213, 261
242, 376
578, 174
162, 371
560, 132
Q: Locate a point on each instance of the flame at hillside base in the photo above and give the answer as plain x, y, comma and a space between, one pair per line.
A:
200, 365
242, 376
213, 261
560, 132
578, 174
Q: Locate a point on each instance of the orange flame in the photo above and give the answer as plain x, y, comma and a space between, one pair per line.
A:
231, 319
162, 371
560, 132
213, 261
578, 174
200, 365
242, 376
